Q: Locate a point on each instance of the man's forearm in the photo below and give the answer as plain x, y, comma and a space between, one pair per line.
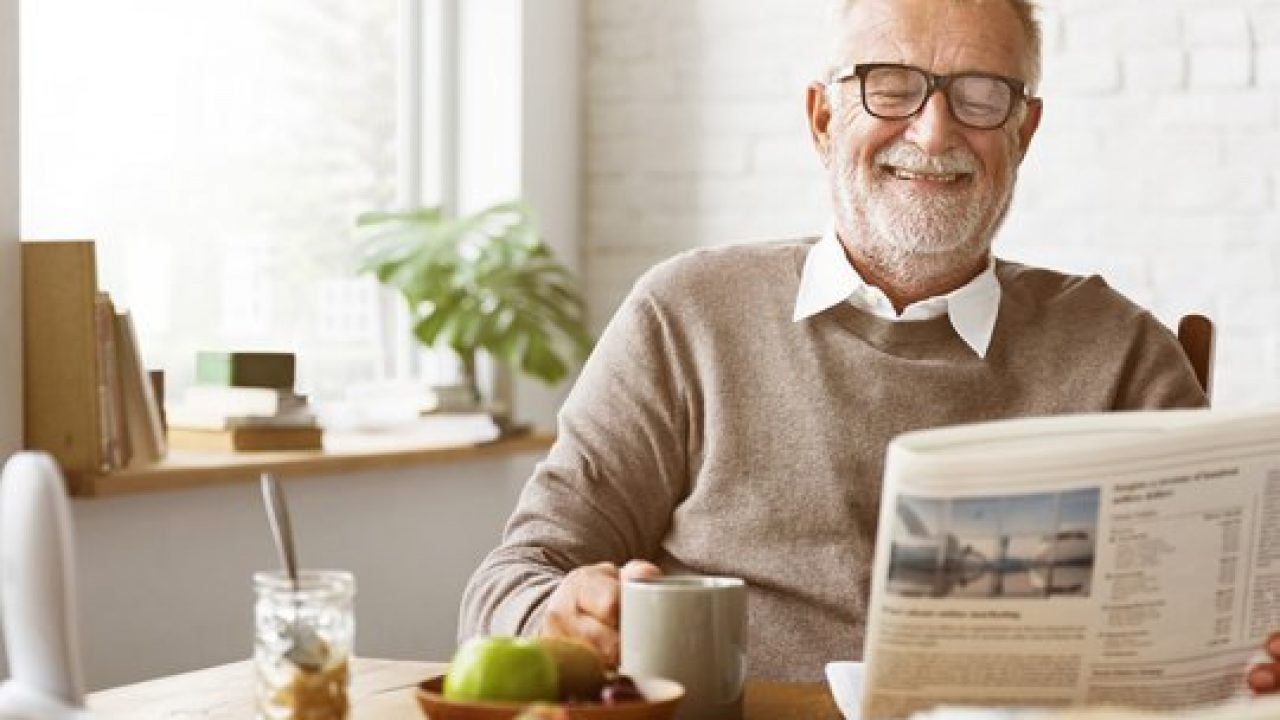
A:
506, 596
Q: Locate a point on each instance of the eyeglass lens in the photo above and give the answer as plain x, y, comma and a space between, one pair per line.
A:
900, 92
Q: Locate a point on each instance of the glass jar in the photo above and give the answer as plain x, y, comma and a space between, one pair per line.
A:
303, 641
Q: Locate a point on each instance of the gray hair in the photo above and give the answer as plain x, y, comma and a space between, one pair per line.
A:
1025, 10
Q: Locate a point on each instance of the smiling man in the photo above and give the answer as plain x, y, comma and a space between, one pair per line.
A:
922, 134
734, 417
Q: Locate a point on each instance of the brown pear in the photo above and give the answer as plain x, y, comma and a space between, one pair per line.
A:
581, 668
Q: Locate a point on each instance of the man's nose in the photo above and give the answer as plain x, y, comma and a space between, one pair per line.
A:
933, 130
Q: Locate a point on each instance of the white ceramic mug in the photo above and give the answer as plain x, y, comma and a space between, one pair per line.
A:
693, 630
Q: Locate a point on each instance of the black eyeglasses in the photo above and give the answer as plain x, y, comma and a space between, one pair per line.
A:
890, 91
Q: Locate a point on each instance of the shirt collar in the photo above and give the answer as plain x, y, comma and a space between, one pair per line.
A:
829, 279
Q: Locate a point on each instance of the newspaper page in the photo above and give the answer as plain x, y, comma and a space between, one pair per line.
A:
1126, 559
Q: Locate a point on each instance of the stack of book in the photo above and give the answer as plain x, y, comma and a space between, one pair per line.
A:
244, 402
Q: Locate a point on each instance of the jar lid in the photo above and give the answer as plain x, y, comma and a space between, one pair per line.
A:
311, 583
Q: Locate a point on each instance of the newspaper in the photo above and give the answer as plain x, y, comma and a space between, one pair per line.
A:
1240, 709
1127, 559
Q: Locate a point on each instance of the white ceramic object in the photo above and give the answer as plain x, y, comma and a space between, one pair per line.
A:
845, 680
691, 629
37, 567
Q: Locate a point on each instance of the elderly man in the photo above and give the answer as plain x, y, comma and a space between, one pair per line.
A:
734, 416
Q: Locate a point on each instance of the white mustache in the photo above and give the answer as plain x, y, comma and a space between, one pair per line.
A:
908, 157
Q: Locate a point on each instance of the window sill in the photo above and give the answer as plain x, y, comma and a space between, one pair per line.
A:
184, 469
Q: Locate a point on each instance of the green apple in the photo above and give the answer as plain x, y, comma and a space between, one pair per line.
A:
502, 669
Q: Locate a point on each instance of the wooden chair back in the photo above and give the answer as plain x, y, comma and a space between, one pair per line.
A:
1195, 333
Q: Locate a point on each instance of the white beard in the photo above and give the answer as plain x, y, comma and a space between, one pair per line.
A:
914, 239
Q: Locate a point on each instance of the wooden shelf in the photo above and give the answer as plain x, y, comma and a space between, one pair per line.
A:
183, 470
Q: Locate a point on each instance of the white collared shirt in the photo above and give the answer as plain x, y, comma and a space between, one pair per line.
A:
829, 279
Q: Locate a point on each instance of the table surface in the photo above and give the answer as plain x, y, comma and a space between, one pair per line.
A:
381, 690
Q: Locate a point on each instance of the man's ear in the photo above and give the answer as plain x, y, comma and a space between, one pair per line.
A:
1030, 123
819, 109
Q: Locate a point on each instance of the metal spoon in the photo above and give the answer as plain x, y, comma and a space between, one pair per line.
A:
307, 650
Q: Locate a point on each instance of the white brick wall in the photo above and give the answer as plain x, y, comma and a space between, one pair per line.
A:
1158, 163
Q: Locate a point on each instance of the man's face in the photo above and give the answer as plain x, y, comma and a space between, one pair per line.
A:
922, 196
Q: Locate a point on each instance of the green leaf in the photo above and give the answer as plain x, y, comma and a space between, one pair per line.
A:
429, 325
541, 361
416, 216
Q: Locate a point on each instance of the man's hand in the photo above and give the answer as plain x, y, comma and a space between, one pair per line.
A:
1265, 677
586, 605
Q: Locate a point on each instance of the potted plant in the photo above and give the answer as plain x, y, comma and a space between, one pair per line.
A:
482, 282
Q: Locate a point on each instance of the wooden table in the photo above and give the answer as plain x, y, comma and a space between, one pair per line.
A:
381, 690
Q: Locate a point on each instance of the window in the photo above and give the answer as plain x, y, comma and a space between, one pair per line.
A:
218, 152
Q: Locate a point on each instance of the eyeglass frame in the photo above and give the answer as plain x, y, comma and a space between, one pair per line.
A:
934, 82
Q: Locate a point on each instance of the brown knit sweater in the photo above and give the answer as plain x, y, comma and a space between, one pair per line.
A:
711, 434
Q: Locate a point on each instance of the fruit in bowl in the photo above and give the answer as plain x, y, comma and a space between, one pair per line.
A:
502, 669
503, 678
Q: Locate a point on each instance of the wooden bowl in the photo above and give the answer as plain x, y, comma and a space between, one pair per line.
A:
661, 698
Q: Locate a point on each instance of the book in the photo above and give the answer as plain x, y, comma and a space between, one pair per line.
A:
62, 374
245, 369
115, 440
216, 407
227, 400
1128, 559
158, 389
186, 419
140, 407
247, 439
